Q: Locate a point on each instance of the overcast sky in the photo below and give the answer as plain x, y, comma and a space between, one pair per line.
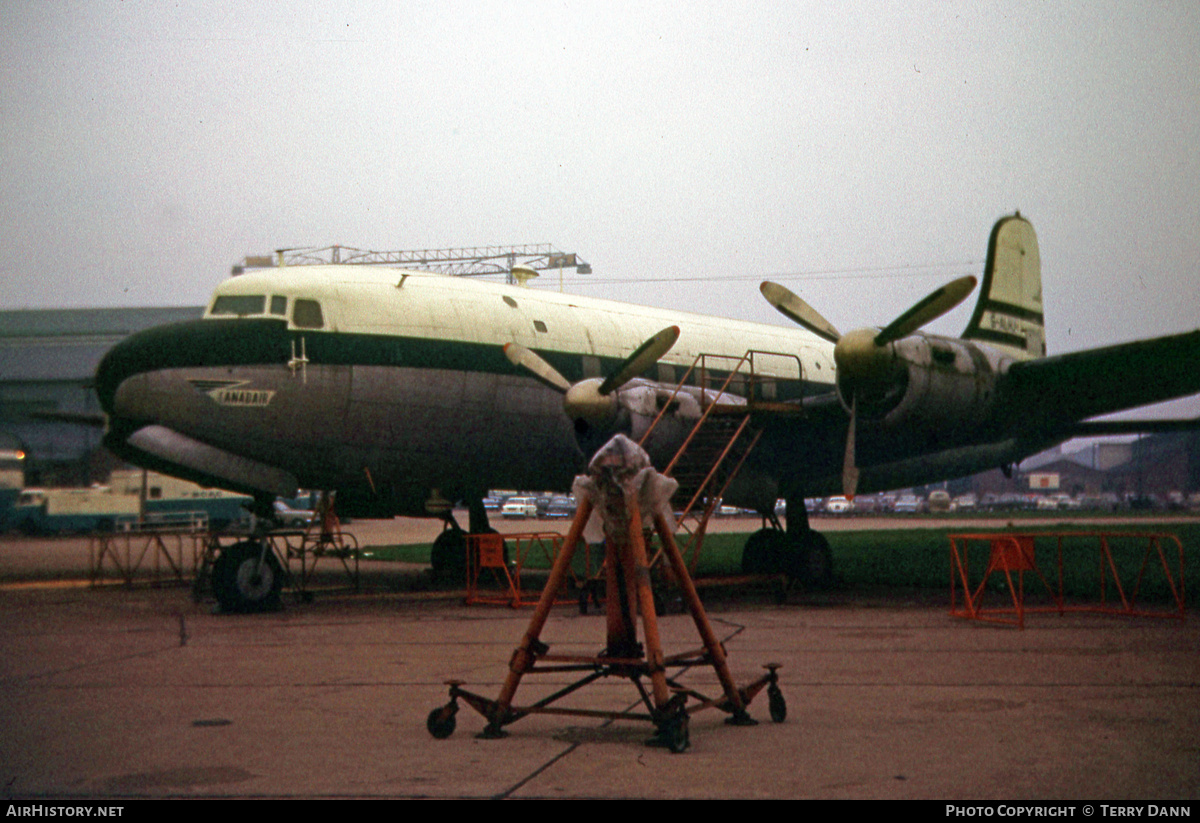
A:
857, 152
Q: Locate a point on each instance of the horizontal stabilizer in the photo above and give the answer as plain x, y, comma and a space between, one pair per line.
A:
1057, 391
1096, 428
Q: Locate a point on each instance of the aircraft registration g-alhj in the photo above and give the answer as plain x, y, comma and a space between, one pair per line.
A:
405, 391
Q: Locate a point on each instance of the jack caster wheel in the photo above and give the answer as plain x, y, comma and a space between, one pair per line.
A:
441, 722
777, 705
677, 735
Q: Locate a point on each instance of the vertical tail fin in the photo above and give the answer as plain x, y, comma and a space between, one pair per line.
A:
1008, 315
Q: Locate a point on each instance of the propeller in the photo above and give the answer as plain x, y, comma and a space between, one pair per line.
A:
592, 399
863, 356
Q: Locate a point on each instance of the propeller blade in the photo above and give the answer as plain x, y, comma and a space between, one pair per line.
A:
539, 368
849, 469
930, 308
796, 310
645, 356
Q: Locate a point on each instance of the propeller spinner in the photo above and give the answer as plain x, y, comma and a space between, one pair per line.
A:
594, 399
863, 356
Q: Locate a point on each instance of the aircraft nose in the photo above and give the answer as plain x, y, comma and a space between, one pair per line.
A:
191, 343
129, 357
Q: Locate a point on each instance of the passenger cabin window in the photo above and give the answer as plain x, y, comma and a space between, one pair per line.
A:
240, 305
539, 326
306, 314
279, 305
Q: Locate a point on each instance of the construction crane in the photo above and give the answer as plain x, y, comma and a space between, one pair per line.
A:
516, 263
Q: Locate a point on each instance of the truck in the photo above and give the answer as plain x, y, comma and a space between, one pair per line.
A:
132, 499
65, 511
12, 480
170, 500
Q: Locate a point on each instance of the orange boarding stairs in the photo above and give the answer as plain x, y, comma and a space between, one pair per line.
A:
715, 450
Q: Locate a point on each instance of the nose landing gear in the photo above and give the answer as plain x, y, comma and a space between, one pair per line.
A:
247, 577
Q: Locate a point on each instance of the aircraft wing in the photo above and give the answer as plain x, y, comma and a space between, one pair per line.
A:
1059, 392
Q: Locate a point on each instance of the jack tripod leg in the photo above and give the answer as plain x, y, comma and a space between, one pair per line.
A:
531, 646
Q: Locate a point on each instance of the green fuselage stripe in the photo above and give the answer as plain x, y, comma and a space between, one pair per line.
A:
264, 342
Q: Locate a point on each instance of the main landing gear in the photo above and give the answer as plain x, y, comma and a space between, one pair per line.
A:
448, 555
799, 552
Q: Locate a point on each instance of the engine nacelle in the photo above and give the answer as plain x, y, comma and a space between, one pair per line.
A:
927, 383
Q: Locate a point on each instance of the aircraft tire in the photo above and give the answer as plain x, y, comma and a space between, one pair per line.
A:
241, 584
448, 556
765, 552
813, 561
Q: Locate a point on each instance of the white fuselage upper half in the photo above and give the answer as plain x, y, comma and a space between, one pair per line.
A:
434, 307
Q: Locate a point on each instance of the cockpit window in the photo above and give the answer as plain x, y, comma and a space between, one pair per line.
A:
239, 304
306, 314
279, 305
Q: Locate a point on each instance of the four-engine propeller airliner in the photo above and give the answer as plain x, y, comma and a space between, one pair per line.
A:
404, 391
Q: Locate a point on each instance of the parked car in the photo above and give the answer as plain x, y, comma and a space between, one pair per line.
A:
939, 501
865, 504
966, 502
292, 518
838, 505
561, 507
519, 508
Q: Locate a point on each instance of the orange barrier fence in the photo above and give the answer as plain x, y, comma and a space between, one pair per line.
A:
495, 563
1015, 555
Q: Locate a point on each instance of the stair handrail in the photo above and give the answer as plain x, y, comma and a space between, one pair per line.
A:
701, 360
